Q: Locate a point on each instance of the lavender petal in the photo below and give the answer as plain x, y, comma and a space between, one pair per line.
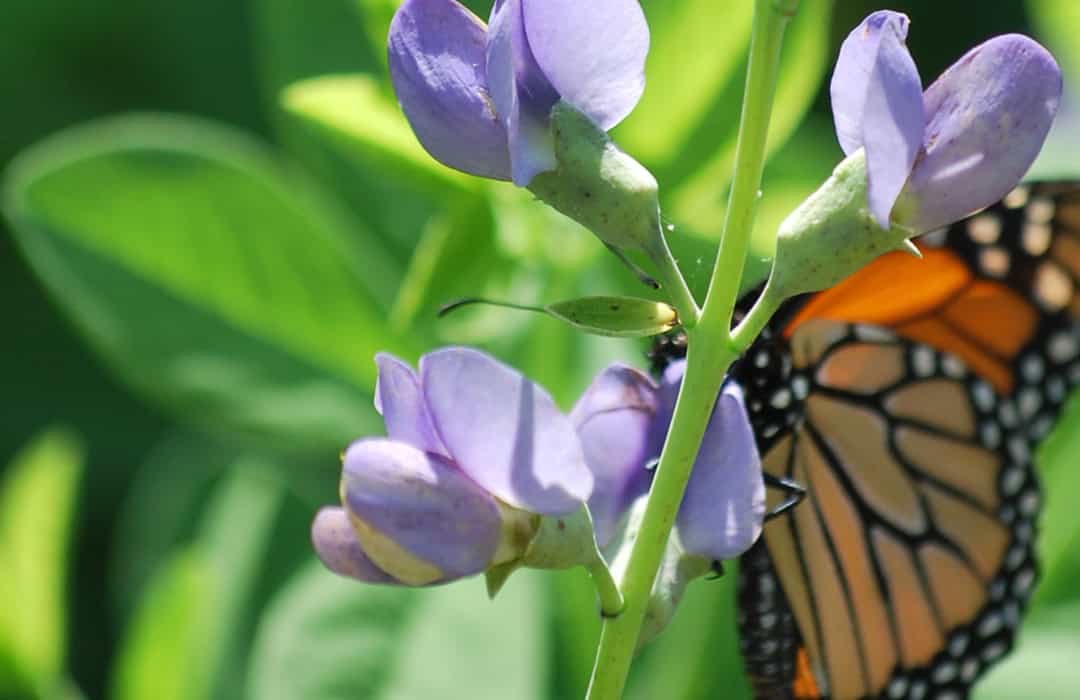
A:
877, 105
988, 116
724, 506
436, 56
521, 93
593, 53
505, 432
336, 544
423, 504
398, 397
613, 420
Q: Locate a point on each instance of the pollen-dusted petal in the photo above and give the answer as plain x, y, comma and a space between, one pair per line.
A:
336, 544
613, 420
877, 105
436, 55
988, 116
418, 510
399, 399
505, 432
522, 95
592, 52
724, 506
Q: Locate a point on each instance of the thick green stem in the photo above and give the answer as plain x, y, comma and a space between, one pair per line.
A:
705, 371
770, 19
712, 349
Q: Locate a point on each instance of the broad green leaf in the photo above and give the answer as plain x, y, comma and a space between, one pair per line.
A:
202, 597
710, 155
204, 276
160, 656
460, 644
37, 497
695, 49
329, 638
357, 114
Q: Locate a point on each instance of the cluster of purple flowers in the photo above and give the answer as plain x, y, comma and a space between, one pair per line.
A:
478, 457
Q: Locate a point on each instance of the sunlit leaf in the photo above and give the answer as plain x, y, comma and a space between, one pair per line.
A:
204, 276
37, 497
159, 658
357, 115
695, 50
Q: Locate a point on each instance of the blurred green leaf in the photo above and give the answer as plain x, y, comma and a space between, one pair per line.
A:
1059, 535
708, 158
695, 49
697, 657
159, 658
200, 600
1043, 665
297, 39
161, 510
1057, 23
328, 638
460, 644
37, 498
204, 276
355, 113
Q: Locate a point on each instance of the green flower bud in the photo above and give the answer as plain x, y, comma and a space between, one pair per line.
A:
832, 234
598, 185
616, 317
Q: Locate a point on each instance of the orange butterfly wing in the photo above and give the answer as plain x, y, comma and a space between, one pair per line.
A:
907, 567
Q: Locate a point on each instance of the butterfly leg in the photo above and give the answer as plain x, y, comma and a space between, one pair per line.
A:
793, 490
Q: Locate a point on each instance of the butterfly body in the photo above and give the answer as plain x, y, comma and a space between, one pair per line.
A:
908, 401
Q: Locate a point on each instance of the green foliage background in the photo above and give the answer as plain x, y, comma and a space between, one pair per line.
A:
215, 214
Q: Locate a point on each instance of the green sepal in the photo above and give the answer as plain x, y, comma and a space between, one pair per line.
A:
598, 185
832, 234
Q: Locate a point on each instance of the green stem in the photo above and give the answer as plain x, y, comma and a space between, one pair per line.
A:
611, 599
712, 349
770, 19
749, 328
674, 283
705, 369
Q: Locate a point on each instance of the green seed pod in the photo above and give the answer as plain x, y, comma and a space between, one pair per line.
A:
598, 185
616, 317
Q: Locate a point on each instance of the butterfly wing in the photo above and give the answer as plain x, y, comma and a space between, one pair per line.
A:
908, 400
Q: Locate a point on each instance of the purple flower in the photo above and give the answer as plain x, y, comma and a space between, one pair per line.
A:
480, 98
622, 420
475, 455
960, 146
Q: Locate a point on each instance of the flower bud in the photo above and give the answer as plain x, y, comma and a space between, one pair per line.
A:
616, 317
476, 456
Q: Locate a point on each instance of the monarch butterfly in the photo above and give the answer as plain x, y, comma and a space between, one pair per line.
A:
906, 402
